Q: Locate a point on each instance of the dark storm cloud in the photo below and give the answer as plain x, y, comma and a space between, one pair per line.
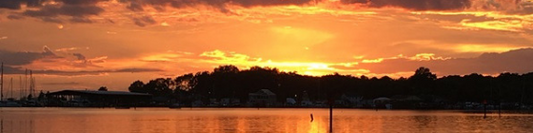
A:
511, 6
51, 19
79, 56
79, 13
143, 21
504, 6
13, 70
77, 9
68, 10
23, 58
16, 58
519, 61
10, 4
94, 72
81, 2
136, 5
80, 20
14, 17
34, 3
17, 4
13, 62
20, 70
415, 4
250, 3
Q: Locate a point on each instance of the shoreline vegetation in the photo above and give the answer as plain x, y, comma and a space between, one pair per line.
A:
227, 86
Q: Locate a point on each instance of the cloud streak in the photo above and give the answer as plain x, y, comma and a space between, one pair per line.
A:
417, 5
18, 70
95, 72
517, 61
487, 63
60, 83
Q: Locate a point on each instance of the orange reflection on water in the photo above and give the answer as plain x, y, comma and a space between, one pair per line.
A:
153, 120
318, 126
241, 125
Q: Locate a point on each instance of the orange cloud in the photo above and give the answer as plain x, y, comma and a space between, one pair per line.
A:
372, 60
218, 57
493, 20
514, 25
483, 48
489, 63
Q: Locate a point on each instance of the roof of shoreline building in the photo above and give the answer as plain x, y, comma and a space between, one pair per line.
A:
263, 91
75, 92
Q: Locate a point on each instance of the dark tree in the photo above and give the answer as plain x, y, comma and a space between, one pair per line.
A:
226, 69
186, 82
423, 73
103, 88
229, 82
137, 86
422, 82
160, 87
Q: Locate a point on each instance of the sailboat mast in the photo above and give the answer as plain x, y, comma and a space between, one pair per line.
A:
31, 83
25, 83
2, 82
11, 88
20, 87
33, 87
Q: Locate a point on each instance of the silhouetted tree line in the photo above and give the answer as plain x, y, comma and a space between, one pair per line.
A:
229, 82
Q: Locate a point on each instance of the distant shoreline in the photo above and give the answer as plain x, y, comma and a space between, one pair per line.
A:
429, 110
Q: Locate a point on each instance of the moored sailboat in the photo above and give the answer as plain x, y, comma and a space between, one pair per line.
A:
10, 102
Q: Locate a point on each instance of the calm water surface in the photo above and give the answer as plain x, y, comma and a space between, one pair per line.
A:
186, 120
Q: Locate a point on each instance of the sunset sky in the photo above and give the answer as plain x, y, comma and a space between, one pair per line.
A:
85, 44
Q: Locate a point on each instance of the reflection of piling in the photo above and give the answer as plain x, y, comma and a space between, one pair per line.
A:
484, 110
499, 109
2, 82
330, 116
